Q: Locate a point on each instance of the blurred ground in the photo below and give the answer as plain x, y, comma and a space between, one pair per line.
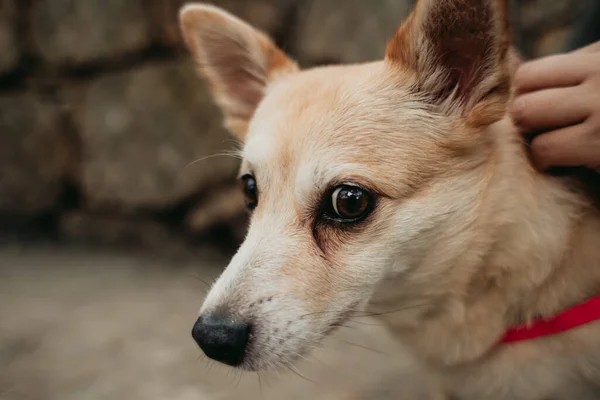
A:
84, 324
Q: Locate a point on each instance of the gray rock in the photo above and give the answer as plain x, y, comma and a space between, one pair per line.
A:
35, 155
262, 14
151, 137
347, 30
223, 204
543, 15
552, 42
8, 41
73, 32
546, 27
116, 230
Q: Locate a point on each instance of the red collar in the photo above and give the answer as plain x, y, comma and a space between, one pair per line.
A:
573, 317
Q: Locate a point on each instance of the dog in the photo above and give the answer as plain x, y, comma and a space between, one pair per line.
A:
400, 184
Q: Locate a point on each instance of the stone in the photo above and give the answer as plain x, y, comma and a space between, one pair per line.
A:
262, 14
82, 226
347, 31
221, 205
35, 155
75, 32
546, 27
542, 15
552, 42
8, 40
151, 137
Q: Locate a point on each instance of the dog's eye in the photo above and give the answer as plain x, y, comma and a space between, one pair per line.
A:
350, 203
250, 191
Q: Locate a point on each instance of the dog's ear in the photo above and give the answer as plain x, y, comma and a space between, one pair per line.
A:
237, 60
458, 50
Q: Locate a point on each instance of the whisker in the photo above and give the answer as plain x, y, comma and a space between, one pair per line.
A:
366, 313
224, 154
206, 284
340, 325
322, 312
236, 143
294, 370
303, 357
313, 359
364, 323
260, 386
240, 376
210, 365
266, 379
378, 314
363, 347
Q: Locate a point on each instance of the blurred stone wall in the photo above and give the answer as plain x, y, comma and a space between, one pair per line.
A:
107, 134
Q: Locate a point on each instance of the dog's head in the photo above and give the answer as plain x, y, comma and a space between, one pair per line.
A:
354, 174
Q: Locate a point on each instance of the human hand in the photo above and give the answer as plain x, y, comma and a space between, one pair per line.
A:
558, 100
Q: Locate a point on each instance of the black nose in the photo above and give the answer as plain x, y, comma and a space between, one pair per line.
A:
222, 338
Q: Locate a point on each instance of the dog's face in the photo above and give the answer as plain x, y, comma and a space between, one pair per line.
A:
354, 174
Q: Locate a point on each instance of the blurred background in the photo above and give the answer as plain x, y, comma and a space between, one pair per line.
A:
118, 207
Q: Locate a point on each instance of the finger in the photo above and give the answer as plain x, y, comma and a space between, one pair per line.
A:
554, 71
549, 109
573, 146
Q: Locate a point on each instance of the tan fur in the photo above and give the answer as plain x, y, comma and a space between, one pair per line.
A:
466, 239
237, 77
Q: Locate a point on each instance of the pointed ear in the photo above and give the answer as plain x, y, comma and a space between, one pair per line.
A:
458, 50
237, 60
